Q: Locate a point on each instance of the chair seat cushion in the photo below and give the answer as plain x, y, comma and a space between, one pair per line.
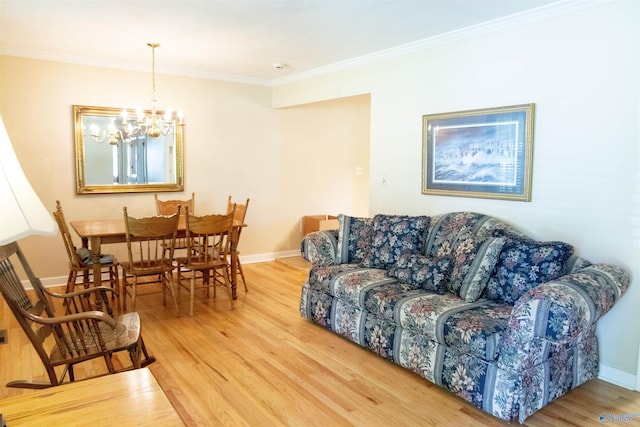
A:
87, 259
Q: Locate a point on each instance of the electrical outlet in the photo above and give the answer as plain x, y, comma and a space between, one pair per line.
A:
3, 336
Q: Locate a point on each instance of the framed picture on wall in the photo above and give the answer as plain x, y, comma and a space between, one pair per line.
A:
485, 153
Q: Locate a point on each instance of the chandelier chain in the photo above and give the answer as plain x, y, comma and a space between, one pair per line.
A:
153, 70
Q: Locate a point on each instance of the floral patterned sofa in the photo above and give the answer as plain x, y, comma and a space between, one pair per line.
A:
466, 301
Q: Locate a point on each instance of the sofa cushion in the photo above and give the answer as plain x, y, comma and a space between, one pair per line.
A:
475, 327
351, 282
445, 229
354, 238
322, 277
381, 300
393, 235
474, 261
427, 273
524, 264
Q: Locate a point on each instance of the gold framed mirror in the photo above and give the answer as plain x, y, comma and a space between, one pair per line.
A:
114, 155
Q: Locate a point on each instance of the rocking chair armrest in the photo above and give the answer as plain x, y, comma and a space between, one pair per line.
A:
71, 318
81, 292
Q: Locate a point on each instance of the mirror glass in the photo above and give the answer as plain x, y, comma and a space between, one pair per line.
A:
111, 157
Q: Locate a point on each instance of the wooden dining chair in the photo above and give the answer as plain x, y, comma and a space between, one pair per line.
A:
240, 215
209, 248
150, 250
84, 332
81, 261
170, 207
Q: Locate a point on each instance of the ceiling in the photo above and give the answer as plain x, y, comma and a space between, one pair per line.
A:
240, 39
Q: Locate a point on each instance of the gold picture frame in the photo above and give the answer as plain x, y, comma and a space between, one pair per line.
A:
485, 153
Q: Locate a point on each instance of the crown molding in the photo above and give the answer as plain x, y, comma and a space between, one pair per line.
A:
562, 7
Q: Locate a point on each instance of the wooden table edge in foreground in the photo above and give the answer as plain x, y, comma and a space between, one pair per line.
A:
128, 398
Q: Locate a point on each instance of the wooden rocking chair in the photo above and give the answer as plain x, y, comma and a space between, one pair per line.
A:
83, 333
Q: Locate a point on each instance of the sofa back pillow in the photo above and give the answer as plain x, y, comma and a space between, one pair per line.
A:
473, 263
393, 235
524, 264
420, 271
354, 239
446, 229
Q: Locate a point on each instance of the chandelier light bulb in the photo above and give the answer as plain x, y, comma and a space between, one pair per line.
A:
147, 123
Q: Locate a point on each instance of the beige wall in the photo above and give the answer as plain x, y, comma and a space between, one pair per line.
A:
290, 162
581, 70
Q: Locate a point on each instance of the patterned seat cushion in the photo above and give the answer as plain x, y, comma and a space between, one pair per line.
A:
322, 277
382, 300
474, 327
352, 282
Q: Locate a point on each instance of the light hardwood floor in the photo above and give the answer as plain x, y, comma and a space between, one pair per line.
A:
261, 364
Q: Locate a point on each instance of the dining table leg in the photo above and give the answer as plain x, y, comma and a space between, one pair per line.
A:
94, 248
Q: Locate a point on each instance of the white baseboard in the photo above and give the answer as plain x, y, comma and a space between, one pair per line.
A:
617, 377
47, 282
269, 256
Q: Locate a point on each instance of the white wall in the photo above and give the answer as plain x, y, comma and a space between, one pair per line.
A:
581, 70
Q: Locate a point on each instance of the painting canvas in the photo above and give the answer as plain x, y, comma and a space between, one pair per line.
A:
480, 153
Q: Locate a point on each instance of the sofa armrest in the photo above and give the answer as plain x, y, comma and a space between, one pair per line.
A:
320, 247
559, 311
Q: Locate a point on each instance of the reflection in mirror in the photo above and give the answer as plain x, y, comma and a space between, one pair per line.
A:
113, 155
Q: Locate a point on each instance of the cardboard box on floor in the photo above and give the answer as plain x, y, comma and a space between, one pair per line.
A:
312, 223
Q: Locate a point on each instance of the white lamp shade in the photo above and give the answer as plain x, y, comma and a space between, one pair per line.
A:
21, 211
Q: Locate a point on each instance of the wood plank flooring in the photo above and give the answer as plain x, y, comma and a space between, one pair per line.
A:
261, 364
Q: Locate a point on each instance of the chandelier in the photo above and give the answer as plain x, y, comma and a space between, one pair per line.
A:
151, 123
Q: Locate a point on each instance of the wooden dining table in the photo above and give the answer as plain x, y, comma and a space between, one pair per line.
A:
97, 232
